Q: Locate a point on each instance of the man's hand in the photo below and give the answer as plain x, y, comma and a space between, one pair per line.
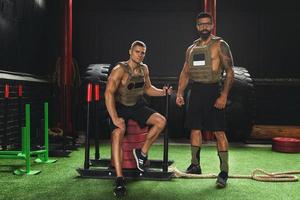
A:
179, 100
221, 102
168, 90
119, 122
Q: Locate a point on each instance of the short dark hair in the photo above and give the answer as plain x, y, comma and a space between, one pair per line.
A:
204, 15
138, 43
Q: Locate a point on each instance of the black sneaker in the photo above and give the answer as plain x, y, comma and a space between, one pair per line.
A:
222, 179
193, 169
120, 188
139, 159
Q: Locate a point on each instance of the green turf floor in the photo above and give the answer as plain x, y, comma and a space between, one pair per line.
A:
60, 180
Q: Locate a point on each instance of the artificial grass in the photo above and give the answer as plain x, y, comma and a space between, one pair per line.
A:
60, 180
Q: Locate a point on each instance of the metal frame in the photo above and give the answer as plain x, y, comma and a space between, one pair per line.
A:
101, 168
26, 153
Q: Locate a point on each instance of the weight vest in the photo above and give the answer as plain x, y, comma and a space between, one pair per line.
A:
129, 93
200, 63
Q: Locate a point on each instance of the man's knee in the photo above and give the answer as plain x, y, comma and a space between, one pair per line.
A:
157, 120
117, 134
220, 136
161, 122
195, 132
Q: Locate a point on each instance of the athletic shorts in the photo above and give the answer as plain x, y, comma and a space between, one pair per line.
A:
139, 112
201, 113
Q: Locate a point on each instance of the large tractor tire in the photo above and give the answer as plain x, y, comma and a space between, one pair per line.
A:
240, 108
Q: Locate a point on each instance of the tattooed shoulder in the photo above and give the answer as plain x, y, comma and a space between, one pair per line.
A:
224, 47
225, 54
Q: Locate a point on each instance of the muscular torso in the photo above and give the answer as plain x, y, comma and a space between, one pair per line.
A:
132, 84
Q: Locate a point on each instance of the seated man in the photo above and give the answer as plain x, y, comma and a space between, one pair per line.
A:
127, 83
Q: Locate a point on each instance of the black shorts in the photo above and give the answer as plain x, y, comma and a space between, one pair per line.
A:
139, 112
201, 113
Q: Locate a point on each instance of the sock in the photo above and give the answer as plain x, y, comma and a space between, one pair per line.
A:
223, 156
195, 155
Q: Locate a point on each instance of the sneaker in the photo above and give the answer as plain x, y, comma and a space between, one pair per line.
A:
193, 169
139, 159
222, 179
120, 188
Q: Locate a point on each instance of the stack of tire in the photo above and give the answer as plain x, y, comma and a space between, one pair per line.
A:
134, 138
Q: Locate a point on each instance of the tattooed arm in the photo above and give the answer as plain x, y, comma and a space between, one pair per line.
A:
227, 62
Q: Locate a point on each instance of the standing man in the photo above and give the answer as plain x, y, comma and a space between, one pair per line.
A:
204, 63
127, 83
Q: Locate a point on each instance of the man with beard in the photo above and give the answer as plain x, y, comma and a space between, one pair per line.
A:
204, 63
127, 83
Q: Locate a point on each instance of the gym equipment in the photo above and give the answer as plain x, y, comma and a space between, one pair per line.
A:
26, 153
135, 137
101, 168
257, 175
65, 94
286, 145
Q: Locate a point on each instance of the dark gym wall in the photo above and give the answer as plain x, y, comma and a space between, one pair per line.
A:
264, 38
263, 35
29, 35
104, 30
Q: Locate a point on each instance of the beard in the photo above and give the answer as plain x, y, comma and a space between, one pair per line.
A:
204, 34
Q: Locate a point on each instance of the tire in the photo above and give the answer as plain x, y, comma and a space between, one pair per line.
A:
286, 145
135, 137
97, 73
240, 108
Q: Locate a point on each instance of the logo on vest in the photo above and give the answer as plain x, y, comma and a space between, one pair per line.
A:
132, 85
199, 60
